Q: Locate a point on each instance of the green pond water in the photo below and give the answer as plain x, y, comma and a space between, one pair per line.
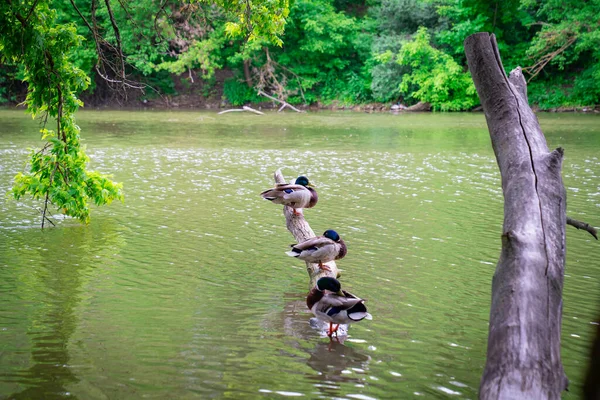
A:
184, 291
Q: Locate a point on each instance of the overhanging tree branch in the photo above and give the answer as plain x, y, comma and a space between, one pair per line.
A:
544, 59
117, 37
583, 225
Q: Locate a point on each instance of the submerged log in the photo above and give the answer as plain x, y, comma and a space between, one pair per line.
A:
523, 353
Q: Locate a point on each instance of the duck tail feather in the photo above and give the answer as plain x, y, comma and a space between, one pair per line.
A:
358, 316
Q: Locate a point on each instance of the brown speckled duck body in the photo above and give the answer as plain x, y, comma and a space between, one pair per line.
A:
329, 303
297, 195
320, 249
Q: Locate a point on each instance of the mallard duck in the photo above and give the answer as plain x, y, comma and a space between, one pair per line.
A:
298, 195
329, 303
320, 249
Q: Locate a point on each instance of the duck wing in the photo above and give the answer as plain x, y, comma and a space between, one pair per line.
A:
296, 196
358, 311
338, 302
281, 190
343, 309
313, 243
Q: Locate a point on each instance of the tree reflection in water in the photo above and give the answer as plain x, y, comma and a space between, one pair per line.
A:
65, 261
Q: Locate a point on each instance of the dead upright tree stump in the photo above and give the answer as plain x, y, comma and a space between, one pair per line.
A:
301, 230
523, 354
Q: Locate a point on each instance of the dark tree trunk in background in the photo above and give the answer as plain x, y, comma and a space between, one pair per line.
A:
523, 354
247, 74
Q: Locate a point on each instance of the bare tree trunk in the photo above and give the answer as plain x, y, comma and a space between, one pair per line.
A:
523, 354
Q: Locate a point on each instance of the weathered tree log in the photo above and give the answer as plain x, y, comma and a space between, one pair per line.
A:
420, 106
301, 230
523, 353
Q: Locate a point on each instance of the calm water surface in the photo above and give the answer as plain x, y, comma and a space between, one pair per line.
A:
184, 291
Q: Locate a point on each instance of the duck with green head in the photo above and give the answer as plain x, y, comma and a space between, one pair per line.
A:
329, 303
297, 195
320, 249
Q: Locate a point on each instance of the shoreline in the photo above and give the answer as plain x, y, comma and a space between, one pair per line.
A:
172, 104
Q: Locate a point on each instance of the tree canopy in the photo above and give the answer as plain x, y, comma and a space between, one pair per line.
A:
31, 38
46, 43
324, 51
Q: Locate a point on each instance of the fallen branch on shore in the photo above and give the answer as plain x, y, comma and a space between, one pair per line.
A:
245, 108
283, 103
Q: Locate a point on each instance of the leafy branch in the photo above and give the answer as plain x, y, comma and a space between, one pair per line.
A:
53, 83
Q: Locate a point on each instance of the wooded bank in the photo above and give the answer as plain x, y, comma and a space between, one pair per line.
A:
310, 52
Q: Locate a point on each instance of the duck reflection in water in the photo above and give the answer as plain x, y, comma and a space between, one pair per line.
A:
336, 363
332, 359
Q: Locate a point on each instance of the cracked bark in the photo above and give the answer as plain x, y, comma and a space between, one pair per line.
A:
523, 353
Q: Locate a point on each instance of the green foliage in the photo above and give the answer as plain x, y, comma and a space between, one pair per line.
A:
4, 94
201, 54
567, 45
586, 88
386, 80
386, 73
548, 95
326, 50
257, 20
504, 18
342, 51
434, 76
163, 82
57, 173
404, 16
238, 93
